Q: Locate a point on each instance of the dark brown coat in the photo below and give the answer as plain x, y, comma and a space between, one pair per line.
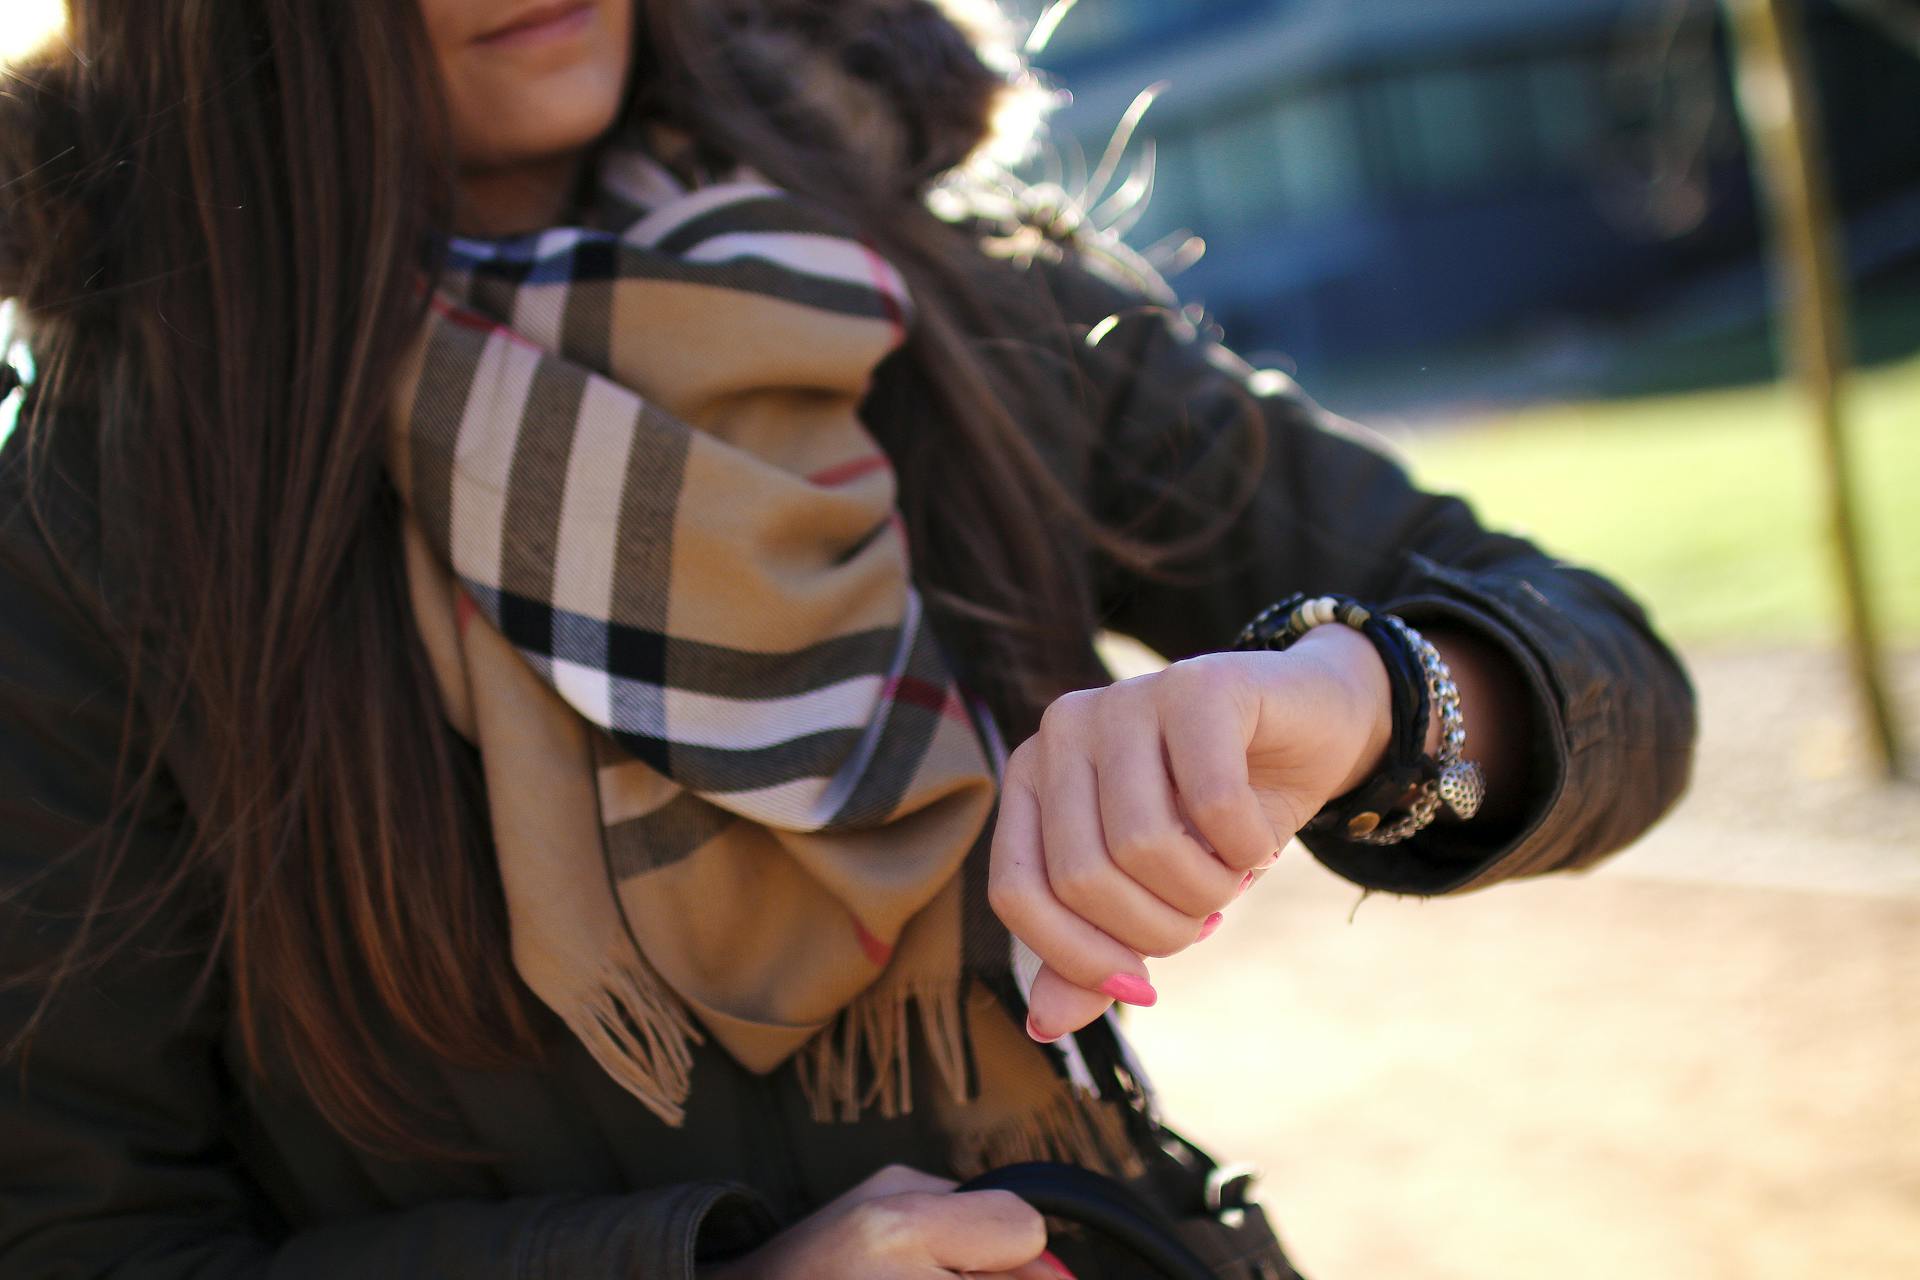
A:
132, 1143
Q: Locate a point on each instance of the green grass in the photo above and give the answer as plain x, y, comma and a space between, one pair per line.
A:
1705, 505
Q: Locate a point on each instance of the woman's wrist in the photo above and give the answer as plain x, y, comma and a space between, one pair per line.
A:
1405, 753
1354, 661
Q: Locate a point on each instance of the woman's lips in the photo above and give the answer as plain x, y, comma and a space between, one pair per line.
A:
550, 21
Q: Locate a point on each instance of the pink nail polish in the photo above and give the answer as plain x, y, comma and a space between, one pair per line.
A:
1207, 927
1271, 859
1246, 882
1058, 1267
1035, 1032
1128, 989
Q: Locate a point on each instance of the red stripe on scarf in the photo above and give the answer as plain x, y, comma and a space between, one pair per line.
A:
877, 951
847, 472
923, 693
883, 284
478, 323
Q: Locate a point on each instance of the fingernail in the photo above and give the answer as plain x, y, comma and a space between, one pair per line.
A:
1128, 989
1211, 923
1246, 882
1271, 859
1056, 1266
1035, 1032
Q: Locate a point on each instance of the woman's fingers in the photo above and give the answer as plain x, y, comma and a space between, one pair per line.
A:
1125, 825
1056, 1007
1083, 874
1206, 734
898, 1179
1146, 835
1018, 889
902, 1224
973, 1230
893, 1180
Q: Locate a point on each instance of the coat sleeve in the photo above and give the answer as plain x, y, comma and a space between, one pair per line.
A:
112, 1156
1179, 421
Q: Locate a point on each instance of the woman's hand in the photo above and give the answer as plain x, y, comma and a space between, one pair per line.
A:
902, 1224
1139, 811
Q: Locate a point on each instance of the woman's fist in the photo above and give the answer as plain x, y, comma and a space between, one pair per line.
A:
1139, 811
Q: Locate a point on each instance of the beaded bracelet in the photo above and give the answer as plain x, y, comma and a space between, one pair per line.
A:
1420, 684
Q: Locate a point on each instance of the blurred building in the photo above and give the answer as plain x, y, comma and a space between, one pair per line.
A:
1380, 176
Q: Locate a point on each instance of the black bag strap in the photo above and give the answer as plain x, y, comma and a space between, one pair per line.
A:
1099, 1204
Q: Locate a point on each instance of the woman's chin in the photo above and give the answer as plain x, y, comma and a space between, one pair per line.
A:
562, 114
505, 109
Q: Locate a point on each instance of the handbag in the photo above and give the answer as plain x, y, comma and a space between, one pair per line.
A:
1102, 1205
1188, 1218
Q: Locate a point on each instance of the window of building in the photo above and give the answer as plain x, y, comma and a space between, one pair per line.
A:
1237, 171
1441, 139
1565, 108
1296, 159
1320, 170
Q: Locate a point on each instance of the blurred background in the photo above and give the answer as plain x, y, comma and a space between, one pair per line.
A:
1523, 240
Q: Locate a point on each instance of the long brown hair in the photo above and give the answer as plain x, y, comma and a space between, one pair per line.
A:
214, 218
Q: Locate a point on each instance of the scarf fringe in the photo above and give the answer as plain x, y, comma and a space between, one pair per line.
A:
1073, 1128
639, 1033
872, 1033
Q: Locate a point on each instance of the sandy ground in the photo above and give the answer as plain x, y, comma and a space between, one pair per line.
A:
1700, 1061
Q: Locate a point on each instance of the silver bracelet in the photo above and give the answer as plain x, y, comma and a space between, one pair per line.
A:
1459, 784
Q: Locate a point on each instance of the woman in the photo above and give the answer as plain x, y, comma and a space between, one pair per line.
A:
488, 789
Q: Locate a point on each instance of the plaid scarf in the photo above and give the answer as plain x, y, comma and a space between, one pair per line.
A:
735, 790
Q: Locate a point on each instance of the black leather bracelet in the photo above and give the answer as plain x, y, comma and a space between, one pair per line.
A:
1407, 770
